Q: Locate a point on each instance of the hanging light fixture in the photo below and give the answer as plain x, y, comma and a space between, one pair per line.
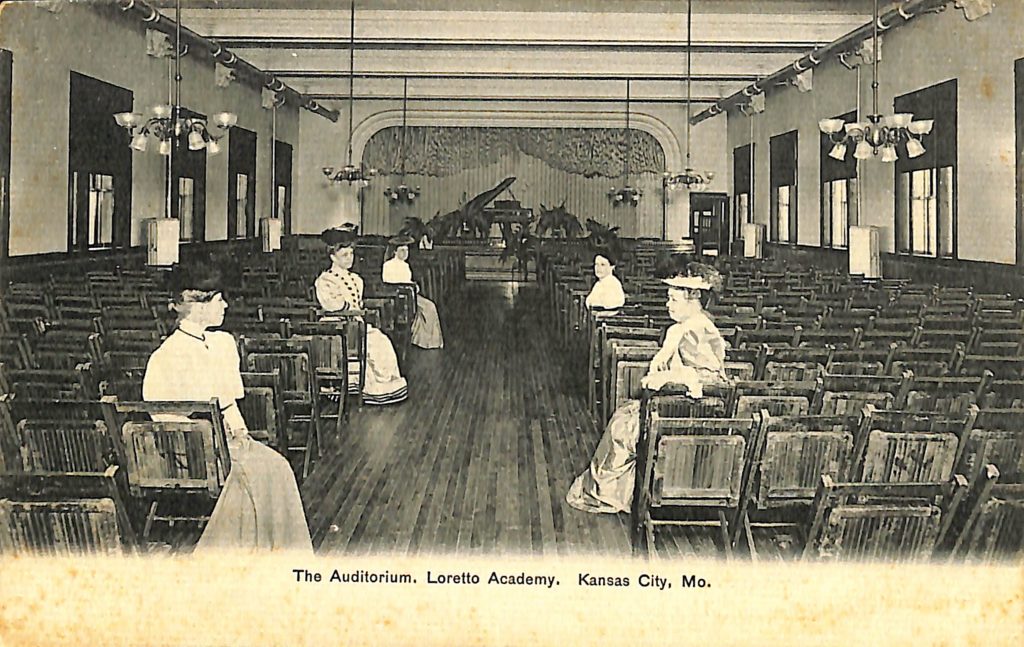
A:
627, 194
688, 179
402, 193
880, 134
350, 173
166, 123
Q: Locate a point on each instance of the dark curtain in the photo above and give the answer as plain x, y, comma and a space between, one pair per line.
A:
241, 161
1018, 90
96, 144
6, 69
782, 172
833, 169
742, 179
936, 102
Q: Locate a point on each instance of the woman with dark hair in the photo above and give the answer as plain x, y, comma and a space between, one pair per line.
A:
338, 289
259, 506
692, 354
607, 291
426, 327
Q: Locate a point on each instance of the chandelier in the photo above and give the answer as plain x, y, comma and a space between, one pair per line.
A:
627, 194
880, 134
350, 172
689, 179
167, 124
402, 193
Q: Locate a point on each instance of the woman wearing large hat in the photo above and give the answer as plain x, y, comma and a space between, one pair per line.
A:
259, 506
426, 327
338, 288
692, 354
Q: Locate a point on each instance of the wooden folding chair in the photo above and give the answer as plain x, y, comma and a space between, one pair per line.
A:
910, 447
691, 464
64, 514
881, 521
166, 461
993, 528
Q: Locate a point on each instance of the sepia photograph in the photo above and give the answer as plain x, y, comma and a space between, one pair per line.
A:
473, 322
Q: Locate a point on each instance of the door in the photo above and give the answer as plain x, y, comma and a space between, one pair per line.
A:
709, 221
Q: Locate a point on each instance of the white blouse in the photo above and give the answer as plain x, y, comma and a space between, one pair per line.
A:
395, 270
606, 293
193, 365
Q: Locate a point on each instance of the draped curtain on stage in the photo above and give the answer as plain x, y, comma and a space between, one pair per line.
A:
577, 165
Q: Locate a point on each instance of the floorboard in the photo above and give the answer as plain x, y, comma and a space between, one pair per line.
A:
478, 459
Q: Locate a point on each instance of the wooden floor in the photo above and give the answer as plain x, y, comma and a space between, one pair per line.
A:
479, 459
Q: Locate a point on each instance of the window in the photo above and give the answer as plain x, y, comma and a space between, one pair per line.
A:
924, 200
283, 184
925, 210
241, 204
742, 187
783, 224
186, 207
99, 165
838, 212
241, 183
188, 188
838, 190
93, 204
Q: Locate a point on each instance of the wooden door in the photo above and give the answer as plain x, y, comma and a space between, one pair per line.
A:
709, 221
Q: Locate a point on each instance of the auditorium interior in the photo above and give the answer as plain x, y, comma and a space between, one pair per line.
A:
853, 170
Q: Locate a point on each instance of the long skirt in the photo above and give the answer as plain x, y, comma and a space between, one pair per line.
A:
607, 485
259, 506
384, 383
426, 327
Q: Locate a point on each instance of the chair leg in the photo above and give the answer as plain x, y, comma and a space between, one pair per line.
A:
748, 533
649, 532
149, 521
723, 523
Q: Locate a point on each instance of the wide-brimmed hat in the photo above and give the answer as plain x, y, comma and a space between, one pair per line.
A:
687, 282
398, 241
200, 278
338, 237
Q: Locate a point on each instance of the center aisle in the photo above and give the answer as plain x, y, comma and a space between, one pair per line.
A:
479, 458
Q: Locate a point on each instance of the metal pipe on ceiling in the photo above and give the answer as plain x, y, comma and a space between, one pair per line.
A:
153, 19
895, 17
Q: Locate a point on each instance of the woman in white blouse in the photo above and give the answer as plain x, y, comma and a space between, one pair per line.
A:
338, 288
426, 327
607, 292
259, 506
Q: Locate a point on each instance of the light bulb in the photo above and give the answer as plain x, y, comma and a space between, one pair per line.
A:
127, 119
838, 152
863, 150
830, 126
195, 141
165, 147
213, 147
162, 111
139, 142
914, 148
922, 127
888, 153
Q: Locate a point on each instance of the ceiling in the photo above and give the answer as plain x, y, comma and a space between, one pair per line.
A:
516, 50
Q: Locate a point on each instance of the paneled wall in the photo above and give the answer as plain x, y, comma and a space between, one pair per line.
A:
98, 40
931, 49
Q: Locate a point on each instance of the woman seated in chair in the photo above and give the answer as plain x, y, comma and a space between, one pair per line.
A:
607, 291
259, 506
692, 354
339, 289
426, 327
